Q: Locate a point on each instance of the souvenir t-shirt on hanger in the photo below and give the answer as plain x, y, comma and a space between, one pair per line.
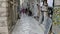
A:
35, 9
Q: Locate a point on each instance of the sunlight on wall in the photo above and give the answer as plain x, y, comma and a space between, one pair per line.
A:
21, 1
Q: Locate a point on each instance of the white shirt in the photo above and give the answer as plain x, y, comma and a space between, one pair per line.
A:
41, 3
50, 3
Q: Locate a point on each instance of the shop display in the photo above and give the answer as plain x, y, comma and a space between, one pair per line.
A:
56, 16
56, 21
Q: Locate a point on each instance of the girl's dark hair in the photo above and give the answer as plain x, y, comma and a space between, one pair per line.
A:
30, 13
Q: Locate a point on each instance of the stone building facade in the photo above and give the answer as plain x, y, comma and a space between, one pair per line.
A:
3, 17
8, 16
57, 2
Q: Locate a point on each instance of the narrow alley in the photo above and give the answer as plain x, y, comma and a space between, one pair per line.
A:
29, 17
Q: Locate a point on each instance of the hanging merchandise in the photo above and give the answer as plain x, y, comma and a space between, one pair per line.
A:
56, 16
35, 10
41, 3
56, 21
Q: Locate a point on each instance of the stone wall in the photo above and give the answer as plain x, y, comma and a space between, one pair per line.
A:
12, 15
57, 2
3, 17
8, 16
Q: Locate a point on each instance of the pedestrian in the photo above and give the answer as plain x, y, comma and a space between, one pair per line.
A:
28, 12
50, 7
44, 11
